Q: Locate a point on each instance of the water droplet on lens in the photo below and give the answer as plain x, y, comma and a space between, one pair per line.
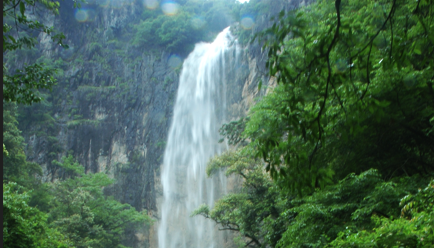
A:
247, 22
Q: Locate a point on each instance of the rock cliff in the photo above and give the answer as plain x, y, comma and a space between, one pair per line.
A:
113, 103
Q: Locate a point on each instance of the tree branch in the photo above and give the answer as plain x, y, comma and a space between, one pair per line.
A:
332, 44
367, 73
13, 7
392, 10
339, 100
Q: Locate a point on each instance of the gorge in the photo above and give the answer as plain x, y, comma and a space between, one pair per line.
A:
116, 98
216, 123
113, 104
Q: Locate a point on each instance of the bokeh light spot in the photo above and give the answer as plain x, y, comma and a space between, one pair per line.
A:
81, 15
174, 61
170, 8
410, 81
151, 4
341, 65
247, 22
198, 22
85, 15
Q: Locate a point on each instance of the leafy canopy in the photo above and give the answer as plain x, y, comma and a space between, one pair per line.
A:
359, 211
25, 226
81, 211
349, 71
346, 134
20, 86
250, 210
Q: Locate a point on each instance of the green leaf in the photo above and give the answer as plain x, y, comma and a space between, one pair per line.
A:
12, 38
22, 7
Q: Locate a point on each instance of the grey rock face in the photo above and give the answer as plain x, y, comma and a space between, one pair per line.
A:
113, 104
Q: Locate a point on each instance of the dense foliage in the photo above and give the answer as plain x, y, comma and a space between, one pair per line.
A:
338, 154
18, 33
26, 226
80, 210
15, 166
73, 212
357, 92
174, 33
360, 209
194, 21
342, 147
253, 209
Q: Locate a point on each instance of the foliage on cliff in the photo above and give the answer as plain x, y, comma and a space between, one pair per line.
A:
80, 210
15, 166
26, 226
75, 206
195, 21
77, 213
346, 135
175, 33
21, 86
73, 212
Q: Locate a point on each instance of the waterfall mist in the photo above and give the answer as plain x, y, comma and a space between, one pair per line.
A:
200, 110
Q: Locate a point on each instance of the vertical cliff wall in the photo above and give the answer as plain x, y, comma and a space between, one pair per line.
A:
110, 109
113, 103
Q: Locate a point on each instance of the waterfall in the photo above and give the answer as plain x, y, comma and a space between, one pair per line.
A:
200, 110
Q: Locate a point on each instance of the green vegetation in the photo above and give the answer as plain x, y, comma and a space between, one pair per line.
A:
15, 166
195, 21
252, 209
339, 215
71, 212
341, 98
81, 211
253, 9
340, 152
25, 226
21, 86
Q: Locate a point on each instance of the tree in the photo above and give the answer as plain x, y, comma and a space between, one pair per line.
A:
347, 134
15, 166
415, 227
22, 85
351, 206
355, 91
25, 226
81, 211
174, 33
359, 211
253, 210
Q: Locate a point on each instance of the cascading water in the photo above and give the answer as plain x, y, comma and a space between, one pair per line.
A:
193, 139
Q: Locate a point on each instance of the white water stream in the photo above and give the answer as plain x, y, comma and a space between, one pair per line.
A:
193, 139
